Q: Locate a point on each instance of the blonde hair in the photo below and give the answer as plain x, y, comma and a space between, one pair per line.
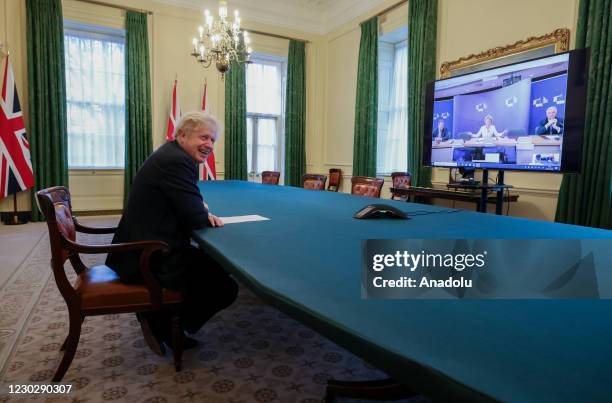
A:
191, 121
489, 117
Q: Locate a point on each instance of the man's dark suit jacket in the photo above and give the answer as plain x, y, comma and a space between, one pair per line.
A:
166, 205
541, 129
444, 136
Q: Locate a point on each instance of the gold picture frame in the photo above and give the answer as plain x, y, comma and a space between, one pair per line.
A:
533, 47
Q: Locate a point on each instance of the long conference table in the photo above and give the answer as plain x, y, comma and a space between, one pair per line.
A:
306, 261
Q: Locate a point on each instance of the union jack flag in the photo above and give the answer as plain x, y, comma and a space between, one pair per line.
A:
15, 163
208, 170
175, 114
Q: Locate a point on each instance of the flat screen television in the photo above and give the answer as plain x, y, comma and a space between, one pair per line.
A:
524, 116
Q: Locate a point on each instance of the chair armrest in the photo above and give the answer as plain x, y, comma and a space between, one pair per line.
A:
92, 230
116, 247
147, 247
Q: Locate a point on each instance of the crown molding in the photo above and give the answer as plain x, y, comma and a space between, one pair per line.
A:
320, 18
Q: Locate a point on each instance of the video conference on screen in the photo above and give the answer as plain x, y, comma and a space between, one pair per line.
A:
508, 117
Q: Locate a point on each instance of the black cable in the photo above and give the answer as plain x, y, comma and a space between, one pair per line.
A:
424, 212
508, 195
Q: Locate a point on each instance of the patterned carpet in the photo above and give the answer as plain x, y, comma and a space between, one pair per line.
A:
250, 352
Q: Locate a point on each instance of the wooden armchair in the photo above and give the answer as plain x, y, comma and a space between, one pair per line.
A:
366, 186
270, 177
401, 180
314, 181
97, 290
335, 179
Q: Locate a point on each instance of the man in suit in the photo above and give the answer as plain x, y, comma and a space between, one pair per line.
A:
552, 124
440, 133
165, 204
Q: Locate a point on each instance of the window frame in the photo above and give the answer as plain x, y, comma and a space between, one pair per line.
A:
393, 45
281, 62
101, 32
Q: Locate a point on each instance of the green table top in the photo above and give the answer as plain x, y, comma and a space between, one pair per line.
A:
306, 260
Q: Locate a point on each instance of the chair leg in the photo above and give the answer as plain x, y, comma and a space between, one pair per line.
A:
63, 347
177, 342
71, 343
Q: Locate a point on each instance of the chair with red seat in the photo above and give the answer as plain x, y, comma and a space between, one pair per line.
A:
314, 181
335, 179
400, 180
98, 290
366, 186
270, 177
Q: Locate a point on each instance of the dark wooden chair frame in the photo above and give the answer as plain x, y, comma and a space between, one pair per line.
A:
64, 247
395, 196
332, 186
315, 177
367, 180
271, 174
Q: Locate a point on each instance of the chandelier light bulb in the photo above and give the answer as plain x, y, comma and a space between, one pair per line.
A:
201, 31
222, 9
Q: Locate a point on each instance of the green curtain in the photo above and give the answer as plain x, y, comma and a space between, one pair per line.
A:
138, 131
366, 103
235, 123
586, 199
46, 96
422, 27
295, 114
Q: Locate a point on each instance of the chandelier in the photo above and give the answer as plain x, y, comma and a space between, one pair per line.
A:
221, 41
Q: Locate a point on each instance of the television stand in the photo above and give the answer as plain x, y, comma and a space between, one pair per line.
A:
499, 188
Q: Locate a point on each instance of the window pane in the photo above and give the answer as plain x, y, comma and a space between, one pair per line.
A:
266, 145
392, 153
265, 110
95, 99
265, 158
264, 88
250, 126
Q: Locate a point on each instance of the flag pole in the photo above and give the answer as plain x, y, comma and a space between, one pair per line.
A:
15, 218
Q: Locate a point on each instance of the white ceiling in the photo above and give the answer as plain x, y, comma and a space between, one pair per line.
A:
313, 16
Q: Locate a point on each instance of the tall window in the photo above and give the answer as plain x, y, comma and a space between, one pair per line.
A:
264, 80
95, 95
392, 144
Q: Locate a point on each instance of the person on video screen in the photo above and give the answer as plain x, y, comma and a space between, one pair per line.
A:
440, 133
488, 132
552, 124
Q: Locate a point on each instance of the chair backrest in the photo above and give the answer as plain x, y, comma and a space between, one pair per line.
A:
335, 179
56, 206
366, 186
401, 180
314, 181
270, 177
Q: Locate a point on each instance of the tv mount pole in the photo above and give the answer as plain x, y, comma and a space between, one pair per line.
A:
498, 187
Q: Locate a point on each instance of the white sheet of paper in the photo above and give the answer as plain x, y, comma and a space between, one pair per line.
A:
242, 218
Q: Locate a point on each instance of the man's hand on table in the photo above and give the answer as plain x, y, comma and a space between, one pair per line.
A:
214, 220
